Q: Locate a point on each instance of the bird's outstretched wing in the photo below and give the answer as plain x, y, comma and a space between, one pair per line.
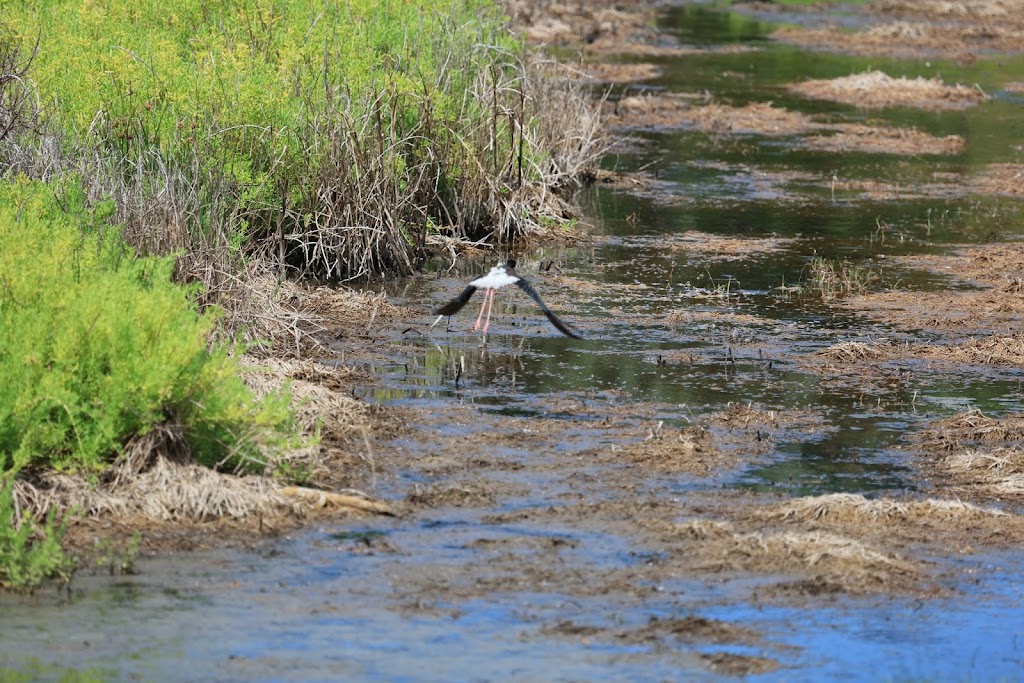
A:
456, 304
555, 320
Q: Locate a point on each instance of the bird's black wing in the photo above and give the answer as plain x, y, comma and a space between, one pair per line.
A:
456, 304
555, 320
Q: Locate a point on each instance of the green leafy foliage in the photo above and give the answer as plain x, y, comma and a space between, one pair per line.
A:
30, 552
98, 345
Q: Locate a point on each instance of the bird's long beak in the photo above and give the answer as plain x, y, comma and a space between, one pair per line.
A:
434, 324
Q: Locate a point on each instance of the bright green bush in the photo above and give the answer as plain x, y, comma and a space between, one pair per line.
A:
97, 346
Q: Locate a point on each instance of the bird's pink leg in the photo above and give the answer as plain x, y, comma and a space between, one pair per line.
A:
490, 305
487, 296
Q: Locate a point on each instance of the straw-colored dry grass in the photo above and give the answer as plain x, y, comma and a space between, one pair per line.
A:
691, 450
594, 24
874, 89
604, 72
922, 28
993, 351
907, 38
763, 118
156, 480
997, 473
846, 563
854, 511
723, 248
1006, 179
746, 416
850, 352
321, 395
973, 428
885, 140
1004, 11
288, 319
976, 455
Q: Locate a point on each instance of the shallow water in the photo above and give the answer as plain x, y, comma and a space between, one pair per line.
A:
339, 602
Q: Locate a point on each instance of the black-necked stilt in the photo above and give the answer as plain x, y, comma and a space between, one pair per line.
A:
499, 276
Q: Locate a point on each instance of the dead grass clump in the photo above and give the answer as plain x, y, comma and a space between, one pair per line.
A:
650, 111
876, 140
336, 425
849, 352
689, 629
350, 311
167, 490
907, 39
760, 118
478, 494
1005, 179
691, 450
621, 73
157, 480
745, 416
991, 351
668, 111
997, 473
854, 566
976, 454
860, 514
594, 24
321, 395
269, 315
723, 247
953, 9
874, 89
971, 429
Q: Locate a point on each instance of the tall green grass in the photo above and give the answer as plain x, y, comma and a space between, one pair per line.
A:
330, 137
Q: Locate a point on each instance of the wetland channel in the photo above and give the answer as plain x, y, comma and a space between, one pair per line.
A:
622, 507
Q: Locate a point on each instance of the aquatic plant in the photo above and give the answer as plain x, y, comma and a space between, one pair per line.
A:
836, 278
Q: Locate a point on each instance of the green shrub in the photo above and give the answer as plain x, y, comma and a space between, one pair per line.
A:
97, 346
30, 552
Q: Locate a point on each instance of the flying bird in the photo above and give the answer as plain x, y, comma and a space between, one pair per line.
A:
499, 276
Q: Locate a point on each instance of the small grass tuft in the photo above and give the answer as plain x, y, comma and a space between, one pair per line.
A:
836, 278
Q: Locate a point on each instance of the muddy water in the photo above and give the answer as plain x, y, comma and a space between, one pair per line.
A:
499, 572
